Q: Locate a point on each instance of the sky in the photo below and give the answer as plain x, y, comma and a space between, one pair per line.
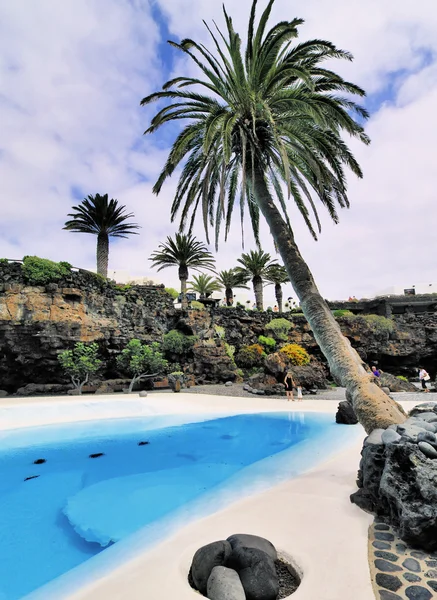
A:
73, 73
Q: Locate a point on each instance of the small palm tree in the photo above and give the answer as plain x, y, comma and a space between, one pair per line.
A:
103, 218
184, 252
229, 280
255, 266
277, 274
205, 285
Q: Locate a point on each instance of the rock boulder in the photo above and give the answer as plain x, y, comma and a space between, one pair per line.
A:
346, 414
206, 558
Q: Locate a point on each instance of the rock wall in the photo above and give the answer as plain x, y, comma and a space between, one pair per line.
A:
37, 322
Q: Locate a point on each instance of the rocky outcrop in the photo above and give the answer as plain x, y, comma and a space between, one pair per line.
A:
346, 414
394, 384
397, 479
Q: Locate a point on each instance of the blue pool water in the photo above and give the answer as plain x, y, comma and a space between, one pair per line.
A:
64, 511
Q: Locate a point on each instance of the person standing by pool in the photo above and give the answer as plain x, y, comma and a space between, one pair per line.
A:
289, 385
424, 377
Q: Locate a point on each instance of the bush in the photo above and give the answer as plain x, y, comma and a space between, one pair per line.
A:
379, 323
176, 342
194, 304
173, 293
297, 355
267, 343
230, 351
39, 271
279, 327
342, 313
80, 363
141, 360
220, 331
4, 261
402, 378
250, 356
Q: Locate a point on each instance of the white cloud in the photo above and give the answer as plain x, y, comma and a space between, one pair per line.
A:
72, 76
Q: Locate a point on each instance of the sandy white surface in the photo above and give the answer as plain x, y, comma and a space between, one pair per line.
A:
309, 518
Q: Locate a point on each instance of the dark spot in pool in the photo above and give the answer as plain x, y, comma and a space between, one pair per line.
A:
227, 437
97, 455
39, 461
187, 456
143, 443
31, 477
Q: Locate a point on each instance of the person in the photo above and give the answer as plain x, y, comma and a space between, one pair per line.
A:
224, 302
299, 391
289, 385
275, 308
254, 306
424, 377
376, 371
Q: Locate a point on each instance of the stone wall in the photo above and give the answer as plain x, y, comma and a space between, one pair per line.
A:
37, 322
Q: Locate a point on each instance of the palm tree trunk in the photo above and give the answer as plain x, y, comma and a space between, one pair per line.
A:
278, 294
229, 296
373, 407
183, 277
102, 254
258, 291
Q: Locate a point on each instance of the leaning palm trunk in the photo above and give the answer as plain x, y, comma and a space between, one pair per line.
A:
372, 406
258, 291
102, 254
278, 294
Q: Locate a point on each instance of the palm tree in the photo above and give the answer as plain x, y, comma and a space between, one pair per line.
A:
277, 274
255, 266
185, 252
229, 280
260, 120
103, 218
205, 285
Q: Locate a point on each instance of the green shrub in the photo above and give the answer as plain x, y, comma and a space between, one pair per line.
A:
173, 293
80, 363
402, 378
197, 305
230, 351
220, 331
298, 314
176, 342
240, 372
296, 354
280, 328
4, 261
379, 323
141, 360
250, 356
267, 343
39, 271
342, 313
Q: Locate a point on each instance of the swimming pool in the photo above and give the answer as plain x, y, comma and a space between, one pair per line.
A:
69, 491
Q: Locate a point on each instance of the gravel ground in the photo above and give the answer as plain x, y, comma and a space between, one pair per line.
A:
336, 394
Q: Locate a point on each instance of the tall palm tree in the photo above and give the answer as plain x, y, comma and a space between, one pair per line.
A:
229, 280
103, 218
255, 266
205, 285
185, 252
277, 274
258, 120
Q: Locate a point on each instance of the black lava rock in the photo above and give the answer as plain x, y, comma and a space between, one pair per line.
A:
389, 582
206, 558
417, 592
346, 414
257, 573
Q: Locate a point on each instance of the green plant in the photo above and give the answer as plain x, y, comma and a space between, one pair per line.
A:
240, 372
177, 373
230, 280
176, 342
195, 305
298, 314
255, 265
205, 285
173, 293
342, 313
220, 331
141, 361
280, 328
267, 343
39, 271
295, 354
250, 356
4, 261
123, 287
80, 363
230, 351
402, 378
379, 323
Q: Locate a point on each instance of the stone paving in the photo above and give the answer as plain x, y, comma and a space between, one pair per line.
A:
397, 571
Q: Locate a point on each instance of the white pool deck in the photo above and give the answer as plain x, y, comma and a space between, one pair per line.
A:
309, 518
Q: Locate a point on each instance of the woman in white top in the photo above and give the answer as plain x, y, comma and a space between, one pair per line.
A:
424, 377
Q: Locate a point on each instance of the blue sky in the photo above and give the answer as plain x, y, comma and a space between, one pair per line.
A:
72, 75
